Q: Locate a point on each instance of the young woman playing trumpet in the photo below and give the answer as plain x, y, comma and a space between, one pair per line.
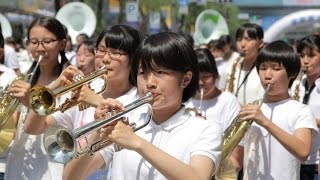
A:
115, 48
174, 145
27, 158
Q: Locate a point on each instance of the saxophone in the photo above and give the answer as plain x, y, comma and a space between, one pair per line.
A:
8, 105
232, 77
231, 138
197, 111
296, 95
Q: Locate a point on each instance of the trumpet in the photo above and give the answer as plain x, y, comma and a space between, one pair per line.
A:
8, 105
61, 143
43, 100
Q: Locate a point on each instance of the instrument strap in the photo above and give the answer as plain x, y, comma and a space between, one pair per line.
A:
244, 79
307, 92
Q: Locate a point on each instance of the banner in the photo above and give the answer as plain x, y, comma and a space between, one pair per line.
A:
132, 12
114, 6
154, 23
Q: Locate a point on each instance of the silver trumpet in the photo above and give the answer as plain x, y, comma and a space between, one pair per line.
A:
61, 143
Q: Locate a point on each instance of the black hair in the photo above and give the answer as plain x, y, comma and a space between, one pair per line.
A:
311, 42
54, 26
225, 39
83, 35
90, 45
282, 53
254, 31
124, 38
188, 37
206, 62
2, 47
215, 44
170, 51
1, 40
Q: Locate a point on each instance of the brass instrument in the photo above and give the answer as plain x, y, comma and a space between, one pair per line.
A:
296, 95
43, 100
61, 143
8, 105
232, 77
197, 111
231, 138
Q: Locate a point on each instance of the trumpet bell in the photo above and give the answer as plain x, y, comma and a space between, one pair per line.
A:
41, 100
59, 143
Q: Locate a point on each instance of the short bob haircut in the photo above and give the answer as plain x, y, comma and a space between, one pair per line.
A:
89, 45
170, 51
282, 53
310, 43
206, 62
254, 31
124, 38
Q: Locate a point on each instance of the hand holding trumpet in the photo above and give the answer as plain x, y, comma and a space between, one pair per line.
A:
66, 77
118, 132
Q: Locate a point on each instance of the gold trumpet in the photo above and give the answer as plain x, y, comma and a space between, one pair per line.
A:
8, 105
61, 143
231, 138
43, 100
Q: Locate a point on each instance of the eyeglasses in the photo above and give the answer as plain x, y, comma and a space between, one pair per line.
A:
111, 53
46, 43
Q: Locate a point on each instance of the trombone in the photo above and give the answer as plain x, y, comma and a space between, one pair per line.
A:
43, 100
61, 143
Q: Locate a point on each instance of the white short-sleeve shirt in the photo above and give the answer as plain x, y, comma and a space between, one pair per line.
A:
10, 57
314, 105
182, 136
250, 90
74, 118
28, 158
264, 156
221, 109
7, 75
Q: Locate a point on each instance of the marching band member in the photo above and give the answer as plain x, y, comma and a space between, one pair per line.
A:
7, 75
85, 57
174, 145
115, 48
281, 134
27, 158
215, 105
309, 93
243, 80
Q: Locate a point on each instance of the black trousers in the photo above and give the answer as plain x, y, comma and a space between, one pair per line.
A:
308, 171
1, 176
